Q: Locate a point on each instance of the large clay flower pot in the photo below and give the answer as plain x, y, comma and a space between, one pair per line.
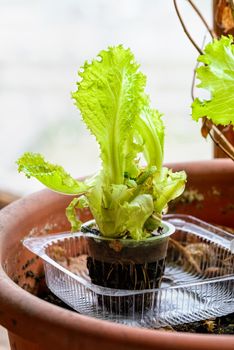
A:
34, 324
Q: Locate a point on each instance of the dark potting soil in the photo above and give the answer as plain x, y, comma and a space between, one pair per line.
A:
128, 277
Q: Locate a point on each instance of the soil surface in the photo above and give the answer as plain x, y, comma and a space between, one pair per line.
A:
128, 277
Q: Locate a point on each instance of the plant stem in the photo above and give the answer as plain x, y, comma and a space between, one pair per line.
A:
185, 28
194, 73
210, 30
231, 2
219, 139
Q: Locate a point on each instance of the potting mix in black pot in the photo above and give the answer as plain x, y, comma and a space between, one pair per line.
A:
127, 196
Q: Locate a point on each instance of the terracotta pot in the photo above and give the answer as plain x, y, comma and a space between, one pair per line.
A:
209, 193
34, 324
6, 198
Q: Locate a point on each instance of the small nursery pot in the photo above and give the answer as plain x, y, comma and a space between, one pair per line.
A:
127, 264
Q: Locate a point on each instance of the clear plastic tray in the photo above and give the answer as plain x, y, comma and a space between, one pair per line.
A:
198, 282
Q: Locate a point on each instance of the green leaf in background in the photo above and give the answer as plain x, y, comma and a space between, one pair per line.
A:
110, 98
52, 176
217, 76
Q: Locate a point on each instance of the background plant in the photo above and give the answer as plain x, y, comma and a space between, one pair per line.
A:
216, 76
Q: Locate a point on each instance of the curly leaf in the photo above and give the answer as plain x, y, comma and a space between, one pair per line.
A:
168, 188
217, 76
52, 176
136, 213
150, 129
110, 98
71, 213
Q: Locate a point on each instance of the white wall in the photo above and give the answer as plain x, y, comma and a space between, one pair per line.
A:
42, 45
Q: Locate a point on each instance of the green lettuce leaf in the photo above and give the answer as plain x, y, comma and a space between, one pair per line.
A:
106, 206
52, 176
118, 216
110, 98
136, 213
170, 186
71, 212
217, 76
150, 130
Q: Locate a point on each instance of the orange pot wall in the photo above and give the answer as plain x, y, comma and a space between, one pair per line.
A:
213, 185
37, 325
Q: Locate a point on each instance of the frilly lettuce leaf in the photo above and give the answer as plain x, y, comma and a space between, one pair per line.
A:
118, 215
134, 214
52, 176
170, 186
71, 211
217, 76
110, 98
150, 130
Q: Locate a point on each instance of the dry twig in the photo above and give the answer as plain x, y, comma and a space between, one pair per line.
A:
196, 9
185, 28
219, 139
188, 256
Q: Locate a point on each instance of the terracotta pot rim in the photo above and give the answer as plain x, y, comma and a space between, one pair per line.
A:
18, 302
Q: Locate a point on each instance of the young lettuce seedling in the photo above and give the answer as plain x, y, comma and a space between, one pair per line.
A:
125, 198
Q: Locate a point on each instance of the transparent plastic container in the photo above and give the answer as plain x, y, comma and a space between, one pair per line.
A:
198, 280
127, 264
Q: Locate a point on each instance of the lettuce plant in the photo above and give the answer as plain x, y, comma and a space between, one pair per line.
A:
125, 198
